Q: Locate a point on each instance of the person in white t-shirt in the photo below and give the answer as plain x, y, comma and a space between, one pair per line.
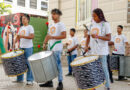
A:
119, 42
83, 42
99, 35
25, 36
72, 45
56, 32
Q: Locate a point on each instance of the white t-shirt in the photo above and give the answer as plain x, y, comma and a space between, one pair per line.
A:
73, 41
98, 46
26, 31
83, 45
55, 30
83, 42
119, 43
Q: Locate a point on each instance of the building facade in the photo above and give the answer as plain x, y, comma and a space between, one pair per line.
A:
79, 12
35, 7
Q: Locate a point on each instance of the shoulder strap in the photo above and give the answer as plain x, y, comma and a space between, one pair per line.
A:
51, 47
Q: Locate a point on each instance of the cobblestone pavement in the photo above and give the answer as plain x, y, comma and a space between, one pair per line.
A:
69, 83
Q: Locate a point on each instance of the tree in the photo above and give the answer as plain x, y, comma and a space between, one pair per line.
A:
5, 8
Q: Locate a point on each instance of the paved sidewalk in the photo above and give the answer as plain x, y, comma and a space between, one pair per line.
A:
69, 83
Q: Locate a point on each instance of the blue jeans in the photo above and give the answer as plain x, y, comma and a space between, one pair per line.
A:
27, 52
57, 55
103, 59
70, 59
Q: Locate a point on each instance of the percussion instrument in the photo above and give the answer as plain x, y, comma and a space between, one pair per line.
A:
88, 72
44, 66
114, 62
124, 66
14, 63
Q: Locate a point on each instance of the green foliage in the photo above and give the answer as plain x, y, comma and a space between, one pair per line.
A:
5, 8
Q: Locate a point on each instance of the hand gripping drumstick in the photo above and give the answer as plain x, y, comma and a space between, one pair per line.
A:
85, 27
84, 52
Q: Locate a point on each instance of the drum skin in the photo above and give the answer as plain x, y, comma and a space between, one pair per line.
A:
44, 68
114, 60
89, 75
14, 66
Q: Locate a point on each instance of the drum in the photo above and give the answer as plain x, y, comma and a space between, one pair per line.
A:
124, 66
88, 72
14, 63
114, 62
43, 65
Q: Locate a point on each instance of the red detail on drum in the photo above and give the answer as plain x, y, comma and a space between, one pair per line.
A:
47, 23
38, 46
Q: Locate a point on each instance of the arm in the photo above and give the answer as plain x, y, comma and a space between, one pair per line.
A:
62, 36
16, 40
31, 36
88, 41
46, 40
105, 38
126, 43
73, 48
110, 43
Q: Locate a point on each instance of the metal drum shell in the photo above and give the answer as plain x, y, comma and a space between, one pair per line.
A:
44, 69
124, 66
14, 65
88, 75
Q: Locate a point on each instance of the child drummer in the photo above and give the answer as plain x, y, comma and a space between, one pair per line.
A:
56, 33
72, 45
83, 41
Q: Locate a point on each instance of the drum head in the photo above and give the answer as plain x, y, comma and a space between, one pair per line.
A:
40, 55
12, 54
83, 60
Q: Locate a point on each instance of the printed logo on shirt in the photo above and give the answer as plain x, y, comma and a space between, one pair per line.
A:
83, 43
70, 42
95, 31
118, 40
22, 32
52, 30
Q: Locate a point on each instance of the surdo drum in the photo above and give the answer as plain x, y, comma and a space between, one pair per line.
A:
114, 62
88, 72
14, 63
44, 66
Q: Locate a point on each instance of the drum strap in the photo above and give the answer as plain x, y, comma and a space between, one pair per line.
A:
57, 42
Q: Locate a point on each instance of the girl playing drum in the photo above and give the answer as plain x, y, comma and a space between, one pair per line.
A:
99, 35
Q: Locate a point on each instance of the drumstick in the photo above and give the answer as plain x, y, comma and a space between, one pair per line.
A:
86, 27
84, 52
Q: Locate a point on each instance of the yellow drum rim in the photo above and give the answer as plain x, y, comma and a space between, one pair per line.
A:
84, 62
17, 74
11, 56
94, 87
83, 57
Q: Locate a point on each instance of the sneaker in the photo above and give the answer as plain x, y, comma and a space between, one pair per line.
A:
17, 81
60, 86
69, 74
48, 84
121, 79
29, 83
